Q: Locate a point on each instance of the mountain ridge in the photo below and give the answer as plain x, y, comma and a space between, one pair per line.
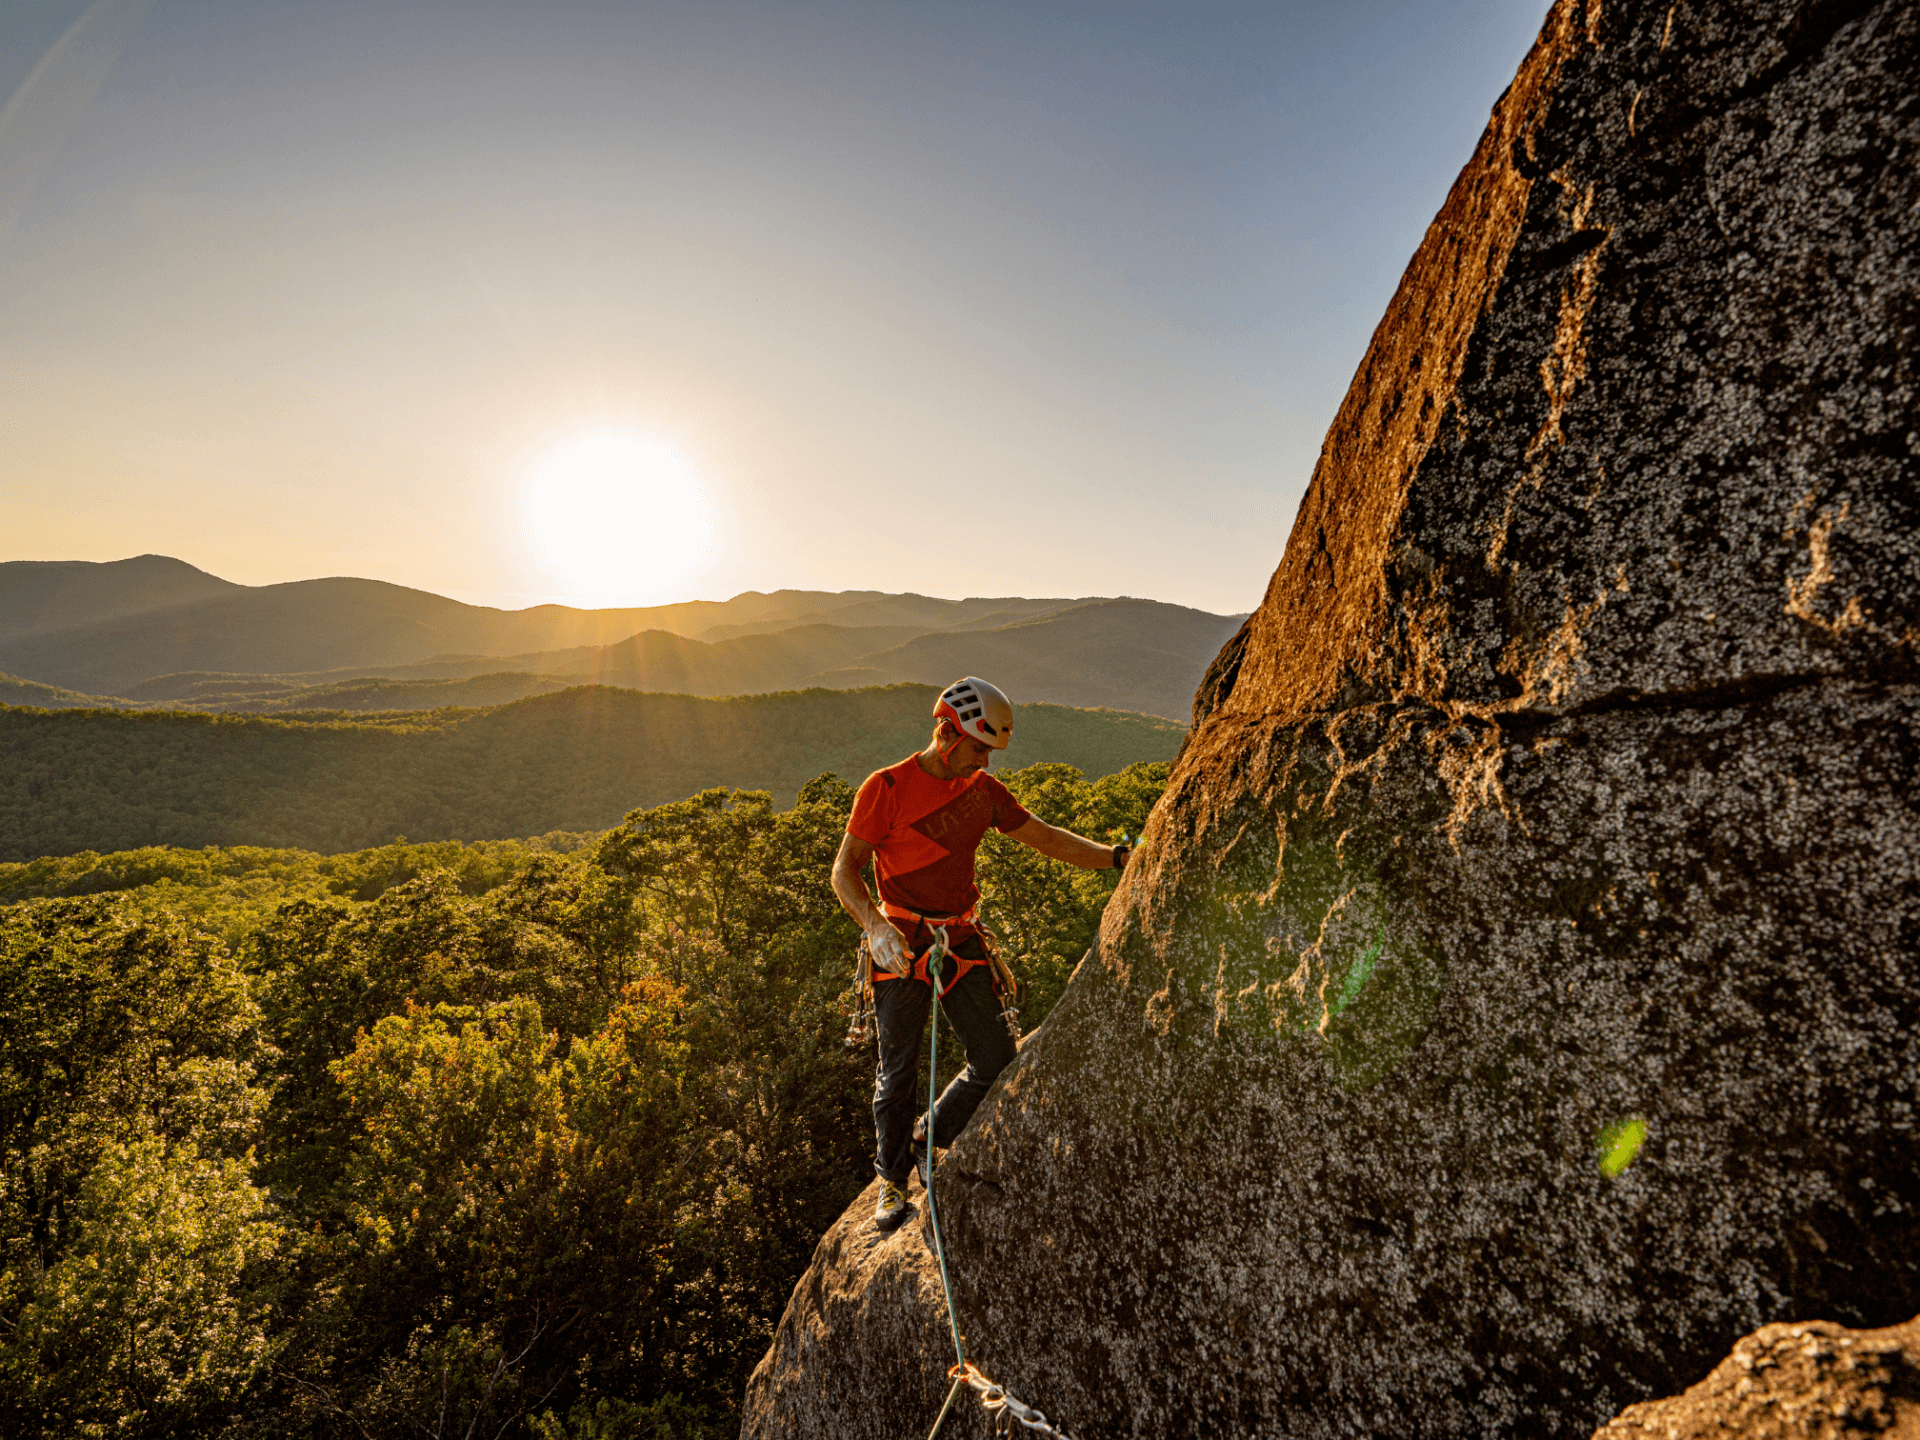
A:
264, 648
91, 591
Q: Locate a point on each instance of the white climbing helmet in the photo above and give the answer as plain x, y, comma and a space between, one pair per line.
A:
978, 710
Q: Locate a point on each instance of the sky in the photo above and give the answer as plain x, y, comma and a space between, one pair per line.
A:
629, 303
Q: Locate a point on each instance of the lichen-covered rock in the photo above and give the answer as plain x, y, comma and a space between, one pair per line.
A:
1513, 1001
1794, 1382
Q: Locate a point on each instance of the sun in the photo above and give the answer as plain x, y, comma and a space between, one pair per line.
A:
617, 518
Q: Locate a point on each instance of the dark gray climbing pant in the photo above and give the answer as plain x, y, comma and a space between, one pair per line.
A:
900, 1008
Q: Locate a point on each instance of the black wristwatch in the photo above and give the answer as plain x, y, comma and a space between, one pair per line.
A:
1121, 854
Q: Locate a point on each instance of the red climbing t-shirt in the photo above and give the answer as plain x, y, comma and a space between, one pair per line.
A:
924, 832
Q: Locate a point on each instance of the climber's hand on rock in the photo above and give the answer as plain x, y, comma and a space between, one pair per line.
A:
888, 949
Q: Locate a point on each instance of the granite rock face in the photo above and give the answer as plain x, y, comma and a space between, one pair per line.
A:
1513, 1002
1794, 1382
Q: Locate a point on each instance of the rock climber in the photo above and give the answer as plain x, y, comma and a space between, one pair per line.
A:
921, 822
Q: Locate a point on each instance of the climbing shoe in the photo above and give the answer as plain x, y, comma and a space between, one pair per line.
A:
892, 1208
920, 1149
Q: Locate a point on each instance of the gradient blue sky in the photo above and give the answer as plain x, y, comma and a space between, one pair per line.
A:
958, 298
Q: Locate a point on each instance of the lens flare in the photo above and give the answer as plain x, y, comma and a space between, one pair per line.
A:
1620, 1143
617, 518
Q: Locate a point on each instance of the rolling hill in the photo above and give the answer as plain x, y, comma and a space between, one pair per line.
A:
1128, 654
277, 695
15, 691
657, 660
575, 760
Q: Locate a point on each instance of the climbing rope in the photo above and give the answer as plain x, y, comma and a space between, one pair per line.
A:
1004, 1408
934, 964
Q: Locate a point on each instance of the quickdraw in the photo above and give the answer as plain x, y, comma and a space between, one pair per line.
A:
1009, 985
861, 1028
1005, 1409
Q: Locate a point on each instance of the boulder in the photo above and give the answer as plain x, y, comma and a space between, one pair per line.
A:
1513, 1000
1794, 1382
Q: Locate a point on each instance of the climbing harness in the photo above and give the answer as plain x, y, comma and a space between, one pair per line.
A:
920, 968
925, 967
998, 1403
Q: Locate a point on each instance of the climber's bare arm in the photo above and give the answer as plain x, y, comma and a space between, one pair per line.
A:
849, 888
1057, 844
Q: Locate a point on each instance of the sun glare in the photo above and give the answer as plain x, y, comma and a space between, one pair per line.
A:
617, 518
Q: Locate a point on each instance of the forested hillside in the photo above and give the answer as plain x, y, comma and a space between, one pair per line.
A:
521, 1139
113, 780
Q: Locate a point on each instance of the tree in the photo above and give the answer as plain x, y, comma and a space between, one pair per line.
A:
153, 1318
513, 1211
739, 912
137, 1270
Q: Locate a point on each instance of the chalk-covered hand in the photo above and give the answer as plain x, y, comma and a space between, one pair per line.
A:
888, 949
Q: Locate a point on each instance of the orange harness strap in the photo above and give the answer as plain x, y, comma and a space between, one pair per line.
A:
940, 926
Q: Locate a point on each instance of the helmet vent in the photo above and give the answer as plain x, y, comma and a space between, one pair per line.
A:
966, 705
